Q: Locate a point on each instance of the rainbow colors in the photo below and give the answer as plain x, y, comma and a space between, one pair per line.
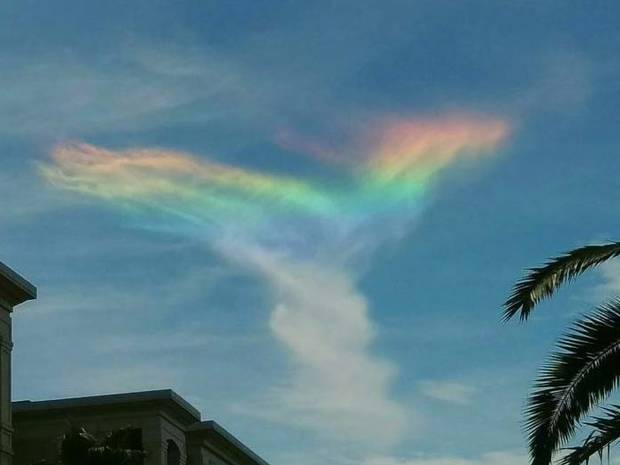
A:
406, 155
414, 150
393, 165
170, 180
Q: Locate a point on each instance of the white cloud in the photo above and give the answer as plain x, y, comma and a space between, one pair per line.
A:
24, 208
59, 94
338, 389
448, 391
610, 287
489, 458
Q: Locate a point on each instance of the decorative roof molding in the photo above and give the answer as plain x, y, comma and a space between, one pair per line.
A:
14, 289
159, 396
213, 428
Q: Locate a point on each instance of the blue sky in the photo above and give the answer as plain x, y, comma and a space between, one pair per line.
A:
418, 369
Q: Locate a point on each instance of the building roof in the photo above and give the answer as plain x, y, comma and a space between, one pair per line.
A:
162, 395
201, 429
212, 427
14, 288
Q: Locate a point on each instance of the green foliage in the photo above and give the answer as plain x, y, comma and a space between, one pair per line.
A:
606, 431
75, 446
582, 371
117, 448
542, 282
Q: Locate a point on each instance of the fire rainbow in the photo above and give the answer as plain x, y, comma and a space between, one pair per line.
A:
399, 161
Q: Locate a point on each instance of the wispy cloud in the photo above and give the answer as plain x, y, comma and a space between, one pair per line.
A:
139, 348
448, 391
338, 387
394, 166
303, 236
565, 82
608, 285
328, 457
60, 94
489, 458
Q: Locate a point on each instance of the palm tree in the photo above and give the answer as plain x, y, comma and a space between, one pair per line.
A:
581, 372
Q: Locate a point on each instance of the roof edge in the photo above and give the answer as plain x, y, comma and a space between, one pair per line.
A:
18, 288
211, 425
25, 406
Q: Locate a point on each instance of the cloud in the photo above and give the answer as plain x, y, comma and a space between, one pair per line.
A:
447, 391
303, 236
61, 94
407, 147
489, 458
327, 457
106, 337
609, 274
564, 83
389, 179
338, 387
24, 208
174, 181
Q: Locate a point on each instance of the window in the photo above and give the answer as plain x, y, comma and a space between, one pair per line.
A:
173, 453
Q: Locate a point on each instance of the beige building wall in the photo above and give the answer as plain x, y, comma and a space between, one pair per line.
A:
14, 290
172, 430
6, 346
40, 426
162, 417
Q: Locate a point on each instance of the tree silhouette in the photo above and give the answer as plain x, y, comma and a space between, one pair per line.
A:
581, 372
78, 447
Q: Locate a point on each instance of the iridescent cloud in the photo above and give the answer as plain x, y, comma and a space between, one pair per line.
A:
388, 169
179, 183
301, 235
406, 150
403, 156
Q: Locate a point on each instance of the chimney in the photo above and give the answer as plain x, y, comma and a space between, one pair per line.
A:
14, 290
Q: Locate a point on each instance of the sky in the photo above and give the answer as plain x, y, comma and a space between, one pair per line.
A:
304, 217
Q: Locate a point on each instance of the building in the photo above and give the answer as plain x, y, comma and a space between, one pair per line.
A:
168, 428
14, 290
165, 425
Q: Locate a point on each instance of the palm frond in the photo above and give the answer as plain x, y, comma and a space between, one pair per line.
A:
606, 432
542, 282
578, 376
100, 455
75, 445
123, 438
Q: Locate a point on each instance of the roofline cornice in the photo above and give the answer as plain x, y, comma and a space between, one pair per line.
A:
14, 288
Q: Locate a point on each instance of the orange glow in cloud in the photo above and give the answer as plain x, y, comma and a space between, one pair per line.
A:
419, 147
